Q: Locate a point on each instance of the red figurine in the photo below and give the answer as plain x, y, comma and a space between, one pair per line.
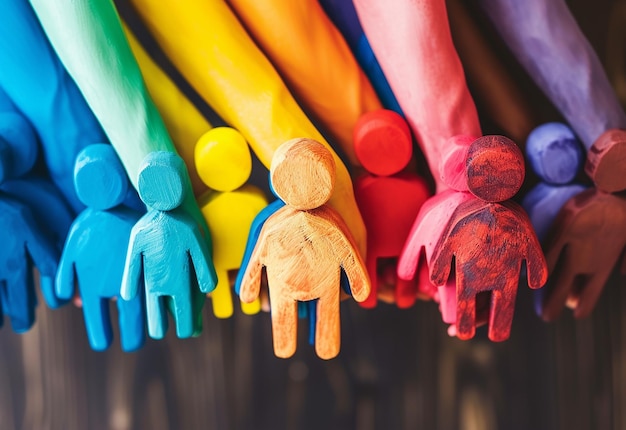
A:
388, 199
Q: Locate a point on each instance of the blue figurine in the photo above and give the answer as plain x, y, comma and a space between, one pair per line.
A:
49, 218
22, 246
95, 249
556, 156
166, 247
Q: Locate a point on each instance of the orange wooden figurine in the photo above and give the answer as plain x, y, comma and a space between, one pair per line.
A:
303, 248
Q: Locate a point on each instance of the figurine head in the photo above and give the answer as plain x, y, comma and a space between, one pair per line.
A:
554, 153
162, 180
99, 177
382, 142
303, 173
222, 159
18, 146
495, 168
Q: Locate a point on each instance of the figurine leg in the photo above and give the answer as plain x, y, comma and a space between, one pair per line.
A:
372, 299
20, 299
591, 293
221, 297
131, 323
183, 313
284, 324
97, 322
501, 313
465, 309
155, 314
328, 330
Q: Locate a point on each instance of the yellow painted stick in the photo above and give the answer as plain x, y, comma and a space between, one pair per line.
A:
209, 46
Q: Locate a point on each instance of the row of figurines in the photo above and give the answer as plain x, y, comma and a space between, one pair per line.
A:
452, 247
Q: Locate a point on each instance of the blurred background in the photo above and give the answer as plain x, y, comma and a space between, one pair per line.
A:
397, 368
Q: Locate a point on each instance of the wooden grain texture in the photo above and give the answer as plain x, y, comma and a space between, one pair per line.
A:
398, 369
303, 248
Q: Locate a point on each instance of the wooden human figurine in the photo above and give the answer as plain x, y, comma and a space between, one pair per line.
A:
488, 237
303, 247
167, 247
586, 242
388, 199
556, 156
95, 250
48, 218
223, 161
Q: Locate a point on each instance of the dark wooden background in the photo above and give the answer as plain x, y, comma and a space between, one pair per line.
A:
397, 369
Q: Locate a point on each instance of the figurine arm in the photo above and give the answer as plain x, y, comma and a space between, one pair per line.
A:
536, 266
411, 252
65, 279
253, 237
132, 267
251, 280
441, 263
202, 262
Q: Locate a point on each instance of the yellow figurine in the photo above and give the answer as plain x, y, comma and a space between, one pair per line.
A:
224, 164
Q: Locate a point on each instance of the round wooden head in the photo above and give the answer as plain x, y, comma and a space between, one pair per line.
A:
606, 161
495, 168
554, 153
162, 180
302, 173
18, 146
223, 159
382, 142
99, 177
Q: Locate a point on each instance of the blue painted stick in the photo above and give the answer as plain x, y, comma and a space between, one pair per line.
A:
95, 249
34, 78
343, 15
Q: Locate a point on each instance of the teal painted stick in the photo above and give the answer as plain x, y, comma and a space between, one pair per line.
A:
88, 38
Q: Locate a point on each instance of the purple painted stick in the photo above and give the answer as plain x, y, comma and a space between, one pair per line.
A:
547, 41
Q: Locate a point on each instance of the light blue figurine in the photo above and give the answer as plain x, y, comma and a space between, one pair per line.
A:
556, 156
167, 247
95, 249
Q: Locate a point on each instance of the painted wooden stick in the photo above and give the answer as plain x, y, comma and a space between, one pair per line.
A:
303, 248
547, 41
433, 94
95, 249
224, 163
343, 15
314, 60
185, 124
36, 81
212, 50
388, 200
